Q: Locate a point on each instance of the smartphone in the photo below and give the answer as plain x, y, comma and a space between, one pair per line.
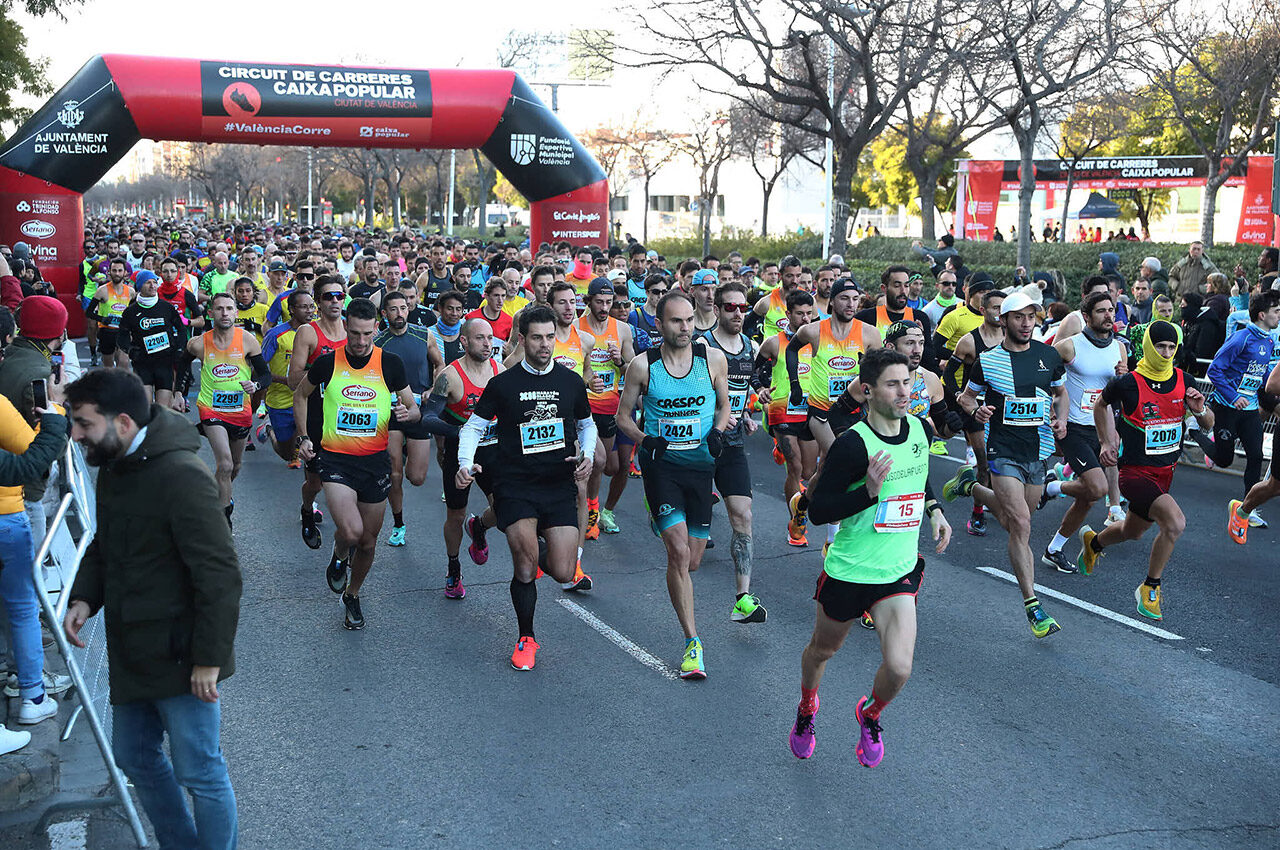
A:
56, 360
40, 394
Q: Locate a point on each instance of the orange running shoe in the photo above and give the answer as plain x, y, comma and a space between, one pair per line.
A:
526, 654
777, 456
295, 464
799, 518
593, 525
1237, 526
580, 580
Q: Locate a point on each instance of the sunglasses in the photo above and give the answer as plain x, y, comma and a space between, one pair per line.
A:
735, 308
305, 276
332, 296
656, 291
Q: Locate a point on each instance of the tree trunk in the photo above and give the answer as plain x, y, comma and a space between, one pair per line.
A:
841, 192
644, 230
928, 186
1066, 200
1209, 206
704, 224
1026, 191
369, 186
767, 186
1143, 209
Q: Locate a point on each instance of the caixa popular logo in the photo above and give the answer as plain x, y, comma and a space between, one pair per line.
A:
225, 371
356, 393
524, 148
37, 229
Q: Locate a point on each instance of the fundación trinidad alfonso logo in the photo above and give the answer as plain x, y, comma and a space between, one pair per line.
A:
241, 100
71, 114
524, 148
23, 206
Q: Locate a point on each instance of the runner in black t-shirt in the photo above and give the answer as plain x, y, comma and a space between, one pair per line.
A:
152, 334
543, 422
1025, 408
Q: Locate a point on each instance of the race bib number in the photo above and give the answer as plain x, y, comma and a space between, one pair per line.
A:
1250, 384
357, 422
498, 345
544, 435
681, 433
1089, 400
801, 408
490, 435
1163, 437
1024, 412
112, 321
837, 384
737, 401
153, 343
899, 513
606, 378
226, 400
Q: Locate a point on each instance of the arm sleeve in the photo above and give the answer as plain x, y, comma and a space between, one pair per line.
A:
203, 540
319, 372
261, 371
123, 337
393, 372
432, 421
587, 434
469, 440
831, 499
976, 379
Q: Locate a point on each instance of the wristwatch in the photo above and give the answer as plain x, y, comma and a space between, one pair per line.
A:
298, 440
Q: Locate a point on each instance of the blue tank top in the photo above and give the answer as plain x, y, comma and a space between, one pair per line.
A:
681, 410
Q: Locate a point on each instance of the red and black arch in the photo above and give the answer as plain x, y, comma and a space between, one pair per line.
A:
114, 101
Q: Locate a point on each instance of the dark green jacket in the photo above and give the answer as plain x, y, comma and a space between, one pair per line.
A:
162, 565
47, 447
25, 361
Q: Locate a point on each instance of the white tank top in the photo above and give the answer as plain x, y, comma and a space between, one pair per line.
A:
1087, 374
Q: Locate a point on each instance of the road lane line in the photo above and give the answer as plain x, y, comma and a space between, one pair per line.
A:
623, 642
1087, 606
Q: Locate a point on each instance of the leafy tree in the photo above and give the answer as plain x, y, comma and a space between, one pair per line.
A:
21, 72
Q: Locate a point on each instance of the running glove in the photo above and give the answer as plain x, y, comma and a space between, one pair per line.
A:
656, 446
715, 442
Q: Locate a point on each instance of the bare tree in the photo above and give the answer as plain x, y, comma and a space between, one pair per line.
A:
776, 60
362, 164
771, 148
648, 151
1216, 67
1046, 48
709, 145
1094, 120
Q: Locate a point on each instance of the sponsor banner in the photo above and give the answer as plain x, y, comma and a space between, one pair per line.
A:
1133, 172
1257, 224
981, 198
313, 104
78, 135
247, 90
49, 224
580, 217
533, 150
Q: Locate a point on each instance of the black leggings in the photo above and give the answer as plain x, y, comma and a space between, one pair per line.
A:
1229, 425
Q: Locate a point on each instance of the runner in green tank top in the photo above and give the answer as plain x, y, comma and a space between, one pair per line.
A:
875, 482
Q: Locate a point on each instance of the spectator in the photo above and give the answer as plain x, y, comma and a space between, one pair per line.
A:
10, 288
1153, 273
937, 257
1269, 268
1189, 273
1140, 309
25, 455
1109, 264
175, 561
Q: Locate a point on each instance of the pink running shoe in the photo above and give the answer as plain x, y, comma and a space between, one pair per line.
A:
870, 748
802, 737
453, 588
478, 548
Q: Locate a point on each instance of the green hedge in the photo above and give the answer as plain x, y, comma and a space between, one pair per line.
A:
748, 244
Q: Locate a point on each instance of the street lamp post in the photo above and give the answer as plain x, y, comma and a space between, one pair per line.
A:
449, 202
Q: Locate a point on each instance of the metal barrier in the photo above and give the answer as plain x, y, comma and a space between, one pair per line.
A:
87, 667
1269, 429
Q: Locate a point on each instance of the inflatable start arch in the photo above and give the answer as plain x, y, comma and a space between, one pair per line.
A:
114, 101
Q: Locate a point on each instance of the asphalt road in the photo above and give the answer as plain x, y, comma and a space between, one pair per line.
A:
416, 732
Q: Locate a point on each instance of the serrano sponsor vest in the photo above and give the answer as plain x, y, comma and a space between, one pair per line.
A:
357, 407
602, 364
221, 395
835, 363
569, 353
780, 409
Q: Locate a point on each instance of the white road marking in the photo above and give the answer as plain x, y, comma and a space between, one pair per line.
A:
68, 835
1041, 590
623, 642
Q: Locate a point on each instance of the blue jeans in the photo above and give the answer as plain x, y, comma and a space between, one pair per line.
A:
198, 766
18, 590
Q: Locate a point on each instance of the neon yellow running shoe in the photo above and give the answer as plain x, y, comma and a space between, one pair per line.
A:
692, 666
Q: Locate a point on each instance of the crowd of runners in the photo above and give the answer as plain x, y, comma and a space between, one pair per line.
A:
538, 372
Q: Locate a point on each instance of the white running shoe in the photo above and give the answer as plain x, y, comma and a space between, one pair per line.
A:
1256, 520
11, 741
32, 713
53, 684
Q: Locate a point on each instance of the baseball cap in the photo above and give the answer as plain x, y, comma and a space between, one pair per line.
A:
900, 329
705, 277
278, 266
616, 275
842, 285
598, 286
1015, 302
651, 255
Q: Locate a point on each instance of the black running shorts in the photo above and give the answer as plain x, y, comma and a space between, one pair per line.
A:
554, 504
844, 600
733, 476
368, 475
1080, 447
